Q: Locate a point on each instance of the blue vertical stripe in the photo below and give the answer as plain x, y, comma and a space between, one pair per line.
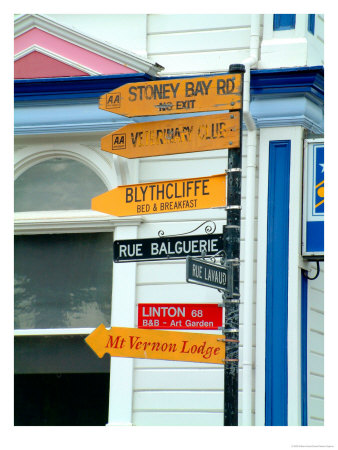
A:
304, 293
276, 369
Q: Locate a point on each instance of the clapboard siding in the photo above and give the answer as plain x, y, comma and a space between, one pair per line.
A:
316, 348
177, 401
316, 385
199, 43
172, 23
176, 418
179, 379
319, 27
160, 418
182, 379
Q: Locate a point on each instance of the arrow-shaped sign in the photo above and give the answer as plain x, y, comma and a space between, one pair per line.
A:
163, 196
157, 344
169, 137
175, 96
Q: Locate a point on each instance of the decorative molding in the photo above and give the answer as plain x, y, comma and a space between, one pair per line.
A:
77, 221
131, 60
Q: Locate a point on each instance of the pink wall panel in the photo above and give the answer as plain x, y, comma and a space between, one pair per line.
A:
37, 65
70, 51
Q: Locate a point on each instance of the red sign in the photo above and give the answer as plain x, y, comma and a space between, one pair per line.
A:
187, 316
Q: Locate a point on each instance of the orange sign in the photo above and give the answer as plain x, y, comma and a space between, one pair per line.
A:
175, 96
168, 137
163, 196
157, 344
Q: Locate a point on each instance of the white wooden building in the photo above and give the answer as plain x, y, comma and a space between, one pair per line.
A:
66, 283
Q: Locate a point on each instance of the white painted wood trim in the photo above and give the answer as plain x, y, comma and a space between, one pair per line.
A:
261, 276
74, 221
294, 288
294, 361
123, 315
53, 331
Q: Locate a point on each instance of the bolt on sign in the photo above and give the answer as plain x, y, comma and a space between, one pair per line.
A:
163, 196
155, 344
168, 137
185, 95
193, 316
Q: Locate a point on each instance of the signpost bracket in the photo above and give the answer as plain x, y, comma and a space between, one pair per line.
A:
227, 208
229, 330
228, 302
208, 229
234, 169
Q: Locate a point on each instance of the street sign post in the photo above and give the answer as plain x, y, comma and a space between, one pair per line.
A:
175, 96
173, 247
154, 344
191, 316
169, 137
163, 196
206, 274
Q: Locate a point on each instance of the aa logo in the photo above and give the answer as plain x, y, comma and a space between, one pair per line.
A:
113, 100
119, 141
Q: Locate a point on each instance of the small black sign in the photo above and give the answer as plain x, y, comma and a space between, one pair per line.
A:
175, 247
206, 274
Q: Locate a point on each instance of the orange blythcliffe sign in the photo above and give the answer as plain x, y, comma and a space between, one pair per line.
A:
175, 96
163, 196
169, 137
157, 344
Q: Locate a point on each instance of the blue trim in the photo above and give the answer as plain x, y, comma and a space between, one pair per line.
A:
276, 364
304, 293
311, 23
308, 81
271, 82
73, 87
284, 22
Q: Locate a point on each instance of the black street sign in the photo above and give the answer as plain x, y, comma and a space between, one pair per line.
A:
206, 274
174, 247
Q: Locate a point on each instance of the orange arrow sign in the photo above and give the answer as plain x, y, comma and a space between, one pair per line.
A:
163, 196
168, 137
157, 344
175, 96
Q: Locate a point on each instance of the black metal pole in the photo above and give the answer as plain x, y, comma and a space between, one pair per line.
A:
231, 233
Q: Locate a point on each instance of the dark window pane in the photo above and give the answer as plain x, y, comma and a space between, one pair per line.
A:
284, 21
61, 399
56, 354
56, 184
311, 23
63, 280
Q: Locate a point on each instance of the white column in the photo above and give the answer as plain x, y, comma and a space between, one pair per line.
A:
294, 134
123, 315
